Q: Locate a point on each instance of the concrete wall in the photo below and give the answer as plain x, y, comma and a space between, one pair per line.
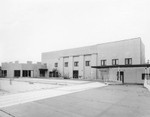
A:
66, 69
132, 48
87, 69
142, 53
131, 75
121, 50
10, 67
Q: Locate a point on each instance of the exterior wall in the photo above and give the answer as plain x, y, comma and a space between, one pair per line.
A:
87, 69
34, 68
142, 53
131, 75
132, 48
66, 69
81, 66
134, 75
71, 66
10, 67
94, 59
121, 50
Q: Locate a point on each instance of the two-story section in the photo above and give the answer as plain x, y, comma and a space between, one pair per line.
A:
126, 52
77, 62
72, 63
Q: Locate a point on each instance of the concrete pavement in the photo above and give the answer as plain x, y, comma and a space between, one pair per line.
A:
110, 101
24, 97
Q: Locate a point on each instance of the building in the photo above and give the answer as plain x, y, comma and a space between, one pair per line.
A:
78, 62
23, 69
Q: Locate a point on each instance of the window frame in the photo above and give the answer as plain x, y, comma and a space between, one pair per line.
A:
87, 63
103, 62
56, 64
66, 64
76, 63
115, 61
128, 61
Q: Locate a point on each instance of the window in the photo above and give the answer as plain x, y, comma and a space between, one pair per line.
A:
103, 62
147, 76
26, 73
16, 73
128, 61
66, 64
87, 63
76, 64
4, 73
56, 64
115, 61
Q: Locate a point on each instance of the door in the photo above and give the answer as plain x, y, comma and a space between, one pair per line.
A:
75, 74
120, 76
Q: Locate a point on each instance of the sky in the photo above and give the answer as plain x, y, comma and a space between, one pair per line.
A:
30, 27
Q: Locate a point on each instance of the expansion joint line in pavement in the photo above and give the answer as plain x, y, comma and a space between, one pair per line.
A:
7, 113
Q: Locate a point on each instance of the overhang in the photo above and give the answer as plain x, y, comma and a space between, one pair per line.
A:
121, 66
43, 69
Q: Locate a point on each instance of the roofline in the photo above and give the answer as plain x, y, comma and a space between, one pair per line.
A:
121, 40
93, 45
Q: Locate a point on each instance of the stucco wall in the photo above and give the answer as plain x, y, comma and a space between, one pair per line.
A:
132, 48
10, 67
120, 50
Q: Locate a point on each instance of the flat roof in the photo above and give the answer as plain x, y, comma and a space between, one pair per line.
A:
121, 66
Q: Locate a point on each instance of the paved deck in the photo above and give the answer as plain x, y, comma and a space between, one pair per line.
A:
110, 101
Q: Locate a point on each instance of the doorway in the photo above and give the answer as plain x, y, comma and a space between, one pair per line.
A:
16, 73
75, 73
120, 76
26, 73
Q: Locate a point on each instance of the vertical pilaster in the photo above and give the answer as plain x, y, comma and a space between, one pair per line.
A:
61, 66
81, 66
20, 72
93, 63
71, 66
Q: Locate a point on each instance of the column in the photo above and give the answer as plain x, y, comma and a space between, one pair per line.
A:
61, 66
93, 63
81, 66
71, 66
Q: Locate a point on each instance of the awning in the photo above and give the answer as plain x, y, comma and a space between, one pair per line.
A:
43, 69
121, 66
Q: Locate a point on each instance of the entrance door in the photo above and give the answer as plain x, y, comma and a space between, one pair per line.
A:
120, 77
75, 74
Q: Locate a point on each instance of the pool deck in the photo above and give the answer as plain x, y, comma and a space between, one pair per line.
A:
109, 101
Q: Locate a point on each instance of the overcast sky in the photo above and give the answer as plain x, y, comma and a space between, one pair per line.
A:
30, 27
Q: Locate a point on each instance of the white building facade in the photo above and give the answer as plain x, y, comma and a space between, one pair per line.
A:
16, 69
76, 63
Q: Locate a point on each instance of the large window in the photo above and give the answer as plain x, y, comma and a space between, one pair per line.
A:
115, 61
76, 63
87, 63
128, 61
16, 73
26, 73
66, 64
56, 64
103, 62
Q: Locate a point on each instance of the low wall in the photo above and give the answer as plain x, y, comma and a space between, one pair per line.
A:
147, 84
